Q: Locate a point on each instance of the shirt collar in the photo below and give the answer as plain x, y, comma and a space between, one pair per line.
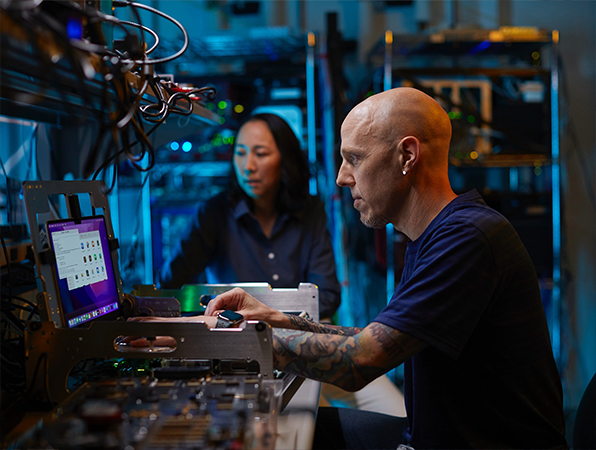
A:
241, 209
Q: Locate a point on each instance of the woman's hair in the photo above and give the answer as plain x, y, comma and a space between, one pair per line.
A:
293, 189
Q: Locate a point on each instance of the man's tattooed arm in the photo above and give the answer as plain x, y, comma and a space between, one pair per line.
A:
300, 323
348, 361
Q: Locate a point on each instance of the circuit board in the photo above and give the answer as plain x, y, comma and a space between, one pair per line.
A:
211, 412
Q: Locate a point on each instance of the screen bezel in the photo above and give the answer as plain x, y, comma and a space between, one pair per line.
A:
61, 286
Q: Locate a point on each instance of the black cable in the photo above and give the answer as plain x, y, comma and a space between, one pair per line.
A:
124, 121
104, 127
33, 309
141, 136
120, 152
166, 107
148, 30
121, 90
21, 307
122, 3
24, 300
11, 319
161, 104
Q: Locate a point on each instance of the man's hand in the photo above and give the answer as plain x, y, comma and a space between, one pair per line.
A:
245, 304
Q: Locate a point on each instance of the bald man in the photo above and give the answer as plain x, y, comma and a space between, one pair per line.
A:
466, 318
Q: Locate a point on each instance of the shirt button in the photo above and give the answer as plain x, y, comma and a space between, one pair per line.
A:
275, 277
271, 255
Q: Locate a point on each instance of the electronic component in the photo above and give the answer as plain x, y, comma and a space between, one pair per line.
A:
235, 351
133, 306
210, 412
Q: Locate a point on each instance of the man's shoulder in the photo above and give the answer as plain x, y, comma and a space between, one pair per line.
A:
471, 209
468, 219
475, 223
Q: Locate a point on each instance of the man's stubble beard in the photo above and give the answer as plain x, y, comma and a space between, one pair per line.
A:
374, 221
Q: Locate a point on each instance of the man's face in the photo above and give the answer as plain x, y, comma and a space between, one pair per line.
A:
370, 168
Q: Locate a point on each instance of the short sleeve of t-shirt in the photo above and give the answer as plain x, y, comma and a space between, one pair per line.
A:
447, 283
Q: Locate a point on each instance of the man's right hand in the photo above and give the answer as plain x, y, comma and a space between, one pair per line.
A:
240, 301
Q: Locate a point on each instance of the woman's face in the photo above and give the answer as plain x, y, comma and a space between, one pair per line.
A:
257, 161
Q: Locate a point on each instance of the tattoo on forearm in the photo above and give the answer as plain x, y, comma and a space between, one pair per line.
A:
314, 355
303, 324
348, 361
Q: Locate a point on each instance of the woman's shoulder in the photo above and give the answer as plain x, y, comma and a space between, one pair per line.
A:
312, 207
218, 203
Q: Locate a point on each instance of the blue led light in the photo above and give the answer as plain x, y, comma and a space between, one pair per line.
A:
174, 146
187, 147
479, 48
74, 28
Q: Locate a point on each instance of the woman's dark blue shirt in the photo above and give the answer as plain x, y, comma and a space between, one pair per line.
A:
227, 243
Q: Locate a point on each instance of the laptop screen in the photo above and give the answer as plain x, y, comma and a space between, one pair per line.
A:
86, 281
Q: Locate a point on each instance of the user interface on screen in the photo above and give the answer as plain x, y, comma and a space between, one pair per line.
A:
86, 281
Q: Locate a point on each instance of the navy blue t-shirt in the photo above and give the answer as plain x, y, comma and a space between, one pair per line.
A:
488, 378
226, 242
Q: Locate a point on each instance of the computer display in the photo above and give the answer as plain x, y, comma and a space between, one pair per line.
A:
84, 271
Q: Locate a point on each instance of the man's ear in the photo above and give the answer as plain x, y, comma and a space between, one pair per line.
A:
409, 152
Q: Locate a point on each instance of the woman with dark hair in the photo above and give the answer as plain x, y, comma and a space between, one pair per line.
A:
266, 227
293, 188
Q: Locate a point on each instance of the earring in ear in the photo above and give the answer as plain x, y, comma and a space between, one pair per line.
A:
404, 172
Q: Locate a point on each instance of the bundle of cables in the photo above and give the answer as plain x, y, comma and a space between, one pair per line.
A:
125, 69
